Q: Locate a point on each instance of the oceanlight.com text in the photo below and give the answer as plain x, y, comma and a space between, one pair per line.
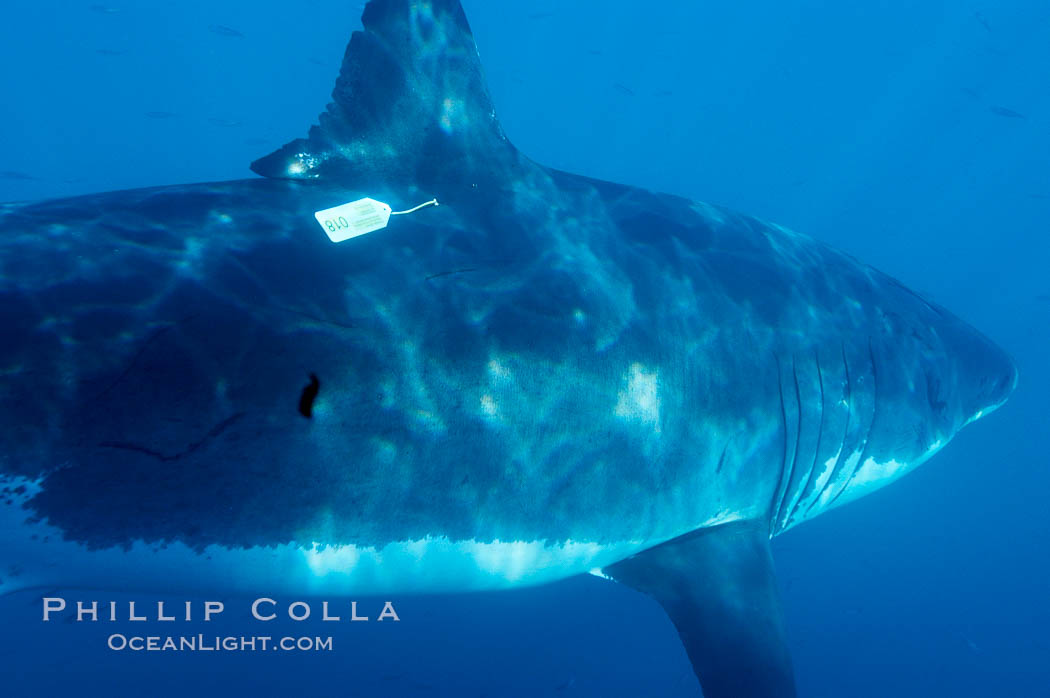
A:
215, 643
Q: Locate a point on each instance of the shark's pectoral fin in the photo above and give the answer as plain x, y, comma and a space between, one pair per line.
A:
718, 587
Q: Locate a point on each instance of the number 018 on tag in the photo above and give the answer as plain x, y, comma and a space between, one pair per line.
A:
353, 219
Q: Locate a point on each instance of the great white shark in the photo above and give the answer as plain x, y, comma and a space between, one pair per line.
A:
546, 375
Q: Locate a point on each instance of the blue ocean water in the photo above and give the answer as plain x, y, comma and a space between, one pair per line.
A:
914, 136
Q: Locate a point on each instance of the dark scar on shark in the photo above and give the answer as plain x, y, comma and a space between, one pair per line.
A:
142, 350
306, 400
214, 432
449, 273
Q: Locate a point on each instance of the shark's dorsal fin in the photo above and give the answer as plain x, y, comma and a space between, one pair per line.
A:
717, 586
410, 107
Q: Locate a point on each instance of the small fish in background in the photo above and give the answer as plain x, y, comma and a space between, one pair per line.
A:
18, 176
540, 15
664, 93
224, 123
623, 88
159, 115
594, 52
566, 684
223, 30
971, 93
983, 21
1039, 196
1008, 113
103, 10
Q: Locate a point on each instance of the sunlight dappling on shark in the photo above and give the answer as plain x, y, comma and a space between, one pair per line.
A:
546, 375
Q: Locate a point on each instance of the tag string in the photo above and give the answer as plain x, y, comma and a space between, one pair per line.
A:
432, 202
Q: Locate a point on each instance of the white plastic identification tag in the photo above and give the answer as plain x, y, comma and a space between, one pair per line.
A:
353, 219
360, 217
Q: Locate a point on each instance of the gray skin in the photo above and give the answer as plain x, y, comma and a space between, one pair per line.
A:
543, 358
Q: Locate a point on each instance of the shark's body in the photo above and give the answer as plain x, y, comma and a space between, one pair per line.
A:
545, 376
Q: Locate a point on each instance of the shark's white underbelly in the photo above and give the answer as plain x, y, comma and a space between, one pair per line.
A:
436, 564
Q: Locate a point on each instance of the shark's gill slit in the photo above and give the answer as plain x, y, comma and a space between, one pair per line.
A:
807, 487
787, 475
843, 453
722, 458
858, 462
774, 503
786, 498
